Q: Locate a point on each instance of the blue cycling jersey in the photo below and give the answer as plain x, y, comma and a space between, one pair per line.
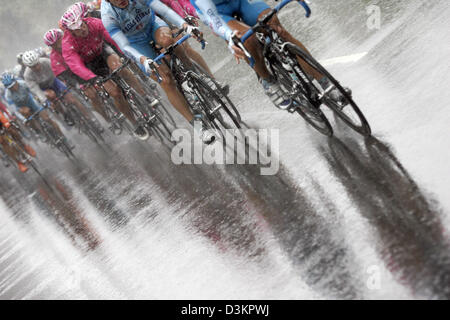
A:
22, 97
207, 11
217, 13
136, 22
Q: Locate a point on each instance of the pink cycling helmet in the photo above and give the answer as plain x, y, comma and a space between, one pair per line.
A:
53, 35
82, 7
72, 19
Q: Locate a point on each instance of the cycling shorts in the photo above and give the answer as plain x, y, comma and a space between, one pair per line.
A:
248, 10
29, 103
99, 65
57, 86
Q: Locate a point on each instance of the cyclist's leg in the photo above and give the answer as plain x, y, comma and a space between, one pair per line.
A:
276, 25
101, 67
51, 95
34, 107
253, 47
119, 100
26, 112
96, 103
44, 115
59, 87
163, 37
18, 138
226, 11
168, 83
114, 63
195, 56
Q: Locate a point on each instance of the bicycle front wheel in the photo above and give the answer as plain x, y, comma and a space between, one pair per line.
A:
349, 113
213, 106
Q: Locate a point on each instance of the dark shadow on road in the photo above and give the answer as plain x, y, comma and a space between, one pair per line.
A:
411, 235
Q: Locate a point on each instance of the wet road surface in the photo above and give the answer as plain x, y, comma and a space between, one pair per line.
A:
344, 218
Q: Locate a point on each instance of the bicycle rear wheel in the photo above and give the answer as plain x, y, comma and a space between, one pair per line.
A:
311, 113
350, 113
215, 111
155, 118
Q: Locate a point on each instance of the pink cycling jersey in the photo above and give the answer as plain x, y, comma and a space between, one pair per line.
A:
79, 51
58, 63
182, 7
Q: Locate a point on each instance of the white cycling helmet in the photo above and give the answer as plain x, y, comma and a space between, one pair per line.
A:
30, 58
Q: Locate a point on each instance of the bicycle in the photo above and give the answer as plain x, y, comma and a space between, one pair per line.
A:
202, 93
151, 114
282, 59
53, 137
91, 129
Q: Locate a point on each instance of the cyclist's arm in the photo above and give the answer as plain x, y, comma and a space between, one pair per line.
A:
208, 13
166, 13
76, 64
115, 32
108, 38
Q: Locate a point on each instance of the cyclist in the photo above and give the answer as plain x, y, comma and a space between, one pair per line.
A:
40, 51
86, 49
53, 38
219, 15
187, 11
8, 132
45, 86
133, 25
20, 98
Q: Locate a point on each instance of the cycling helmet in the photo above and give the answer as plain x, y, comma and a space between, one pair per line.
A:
72, 19
82, 7
30, 58
52, 36
8, 80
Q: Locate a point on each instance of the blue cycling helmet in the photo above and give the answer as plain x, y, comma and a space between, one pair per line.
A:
8, 80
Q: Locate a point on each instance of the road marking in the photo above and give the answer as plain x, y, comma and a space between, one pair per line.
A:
326, 63
345, 59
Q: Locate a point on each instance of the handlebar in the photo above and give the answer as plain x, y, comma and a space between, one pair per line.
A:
196, 33
169, 50
35, 114
101, 81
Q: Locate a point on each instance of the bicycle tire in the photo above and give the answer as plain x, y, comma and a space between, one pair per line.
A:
157, 124
308, 111
217, 88
208, 96
363, 128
